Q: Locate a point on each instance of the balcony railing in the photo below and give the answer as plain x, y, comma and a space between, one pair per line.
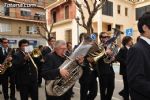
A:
18, 16
135, 1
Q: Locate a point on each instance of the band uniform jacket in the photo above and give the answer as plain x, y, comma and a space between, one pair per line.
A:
138, 70
50, 69
46, 50
121, 58
25, 71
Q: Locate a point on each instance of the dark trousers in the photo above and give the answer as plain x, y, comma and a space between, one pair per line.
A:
106, 86
29, 90
8, 77
66, 96
88, 87
126, 88
39, 75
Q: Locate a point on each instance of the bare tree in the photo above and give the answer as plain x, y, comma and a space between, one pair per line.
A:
45, 28
96, 6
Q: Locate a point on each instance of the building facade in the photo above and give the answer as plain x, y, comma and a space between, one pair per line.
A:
19, 20
121, 14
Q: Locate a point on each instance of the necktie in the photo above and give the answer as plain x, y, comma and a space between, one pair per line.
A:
5, 52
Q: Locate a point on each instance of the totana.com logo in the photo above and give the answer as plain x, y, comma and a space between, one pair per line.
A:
20, 5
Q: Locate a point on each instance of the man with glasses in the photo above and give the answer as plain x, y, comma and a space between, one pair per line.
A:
105, 71
26, 73
9, 73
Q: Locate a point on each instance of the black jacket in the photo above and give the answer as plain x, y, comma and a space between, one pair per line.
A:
25, 71
104, 68
50, 68
138, 70
46, 50
121, 58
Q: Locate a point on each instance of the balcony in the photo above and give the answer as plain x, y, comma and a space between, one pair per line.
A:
17, 16
135, 1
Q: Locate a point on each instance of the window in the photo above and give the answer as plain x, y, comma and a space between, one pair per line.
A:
119, 9
107, 9
66, 12
54, 17
118, 27
25, 12
126, 11
140, 11
109, 27
68, 35
31, 29
5, 27
6, 11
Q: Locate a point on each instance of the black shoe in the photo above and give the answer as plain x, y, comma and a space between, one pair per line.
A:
13, 98
121, 93
39, 85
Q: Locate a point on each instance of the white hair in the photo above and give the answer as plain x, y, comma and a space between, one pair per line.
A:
59, 43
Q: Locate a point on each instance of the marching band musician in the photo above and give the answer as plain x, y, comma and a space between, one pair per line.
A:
122, 58
51, 68
26, 73
88, 82
9, 73
39, 61
105, 72
138, 62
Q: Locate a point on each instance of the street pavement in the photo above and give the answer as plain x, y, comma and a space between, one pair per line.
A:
118, 87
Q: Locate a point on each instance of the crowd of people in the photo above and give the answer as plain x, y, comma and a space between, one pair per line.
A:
26, 71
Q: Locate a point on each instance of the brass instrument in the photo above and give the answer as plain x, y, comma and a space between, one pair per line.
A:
60, 85
36, 53
114, 49
6, 64
97, 51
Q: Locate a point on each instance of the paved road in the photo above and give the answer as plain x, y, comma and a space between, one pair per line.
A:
118, 87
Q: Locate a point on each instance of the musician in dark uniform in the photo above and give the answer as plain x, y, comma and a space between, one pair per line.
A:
39, 61
50, 47
9, 73
26, 73
105, 72
138, 62
88, 82
127, 42
51, 70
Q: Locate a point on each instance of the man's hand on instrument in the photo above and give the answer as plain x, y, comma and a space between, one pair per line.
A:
9, 58
26, 57
80, 59
64, 73
90, 59
109, 52
1, 66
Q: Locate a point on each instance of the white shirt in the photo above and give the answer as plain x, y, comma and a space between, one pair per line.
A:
145, 39
127, 47
50, 48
